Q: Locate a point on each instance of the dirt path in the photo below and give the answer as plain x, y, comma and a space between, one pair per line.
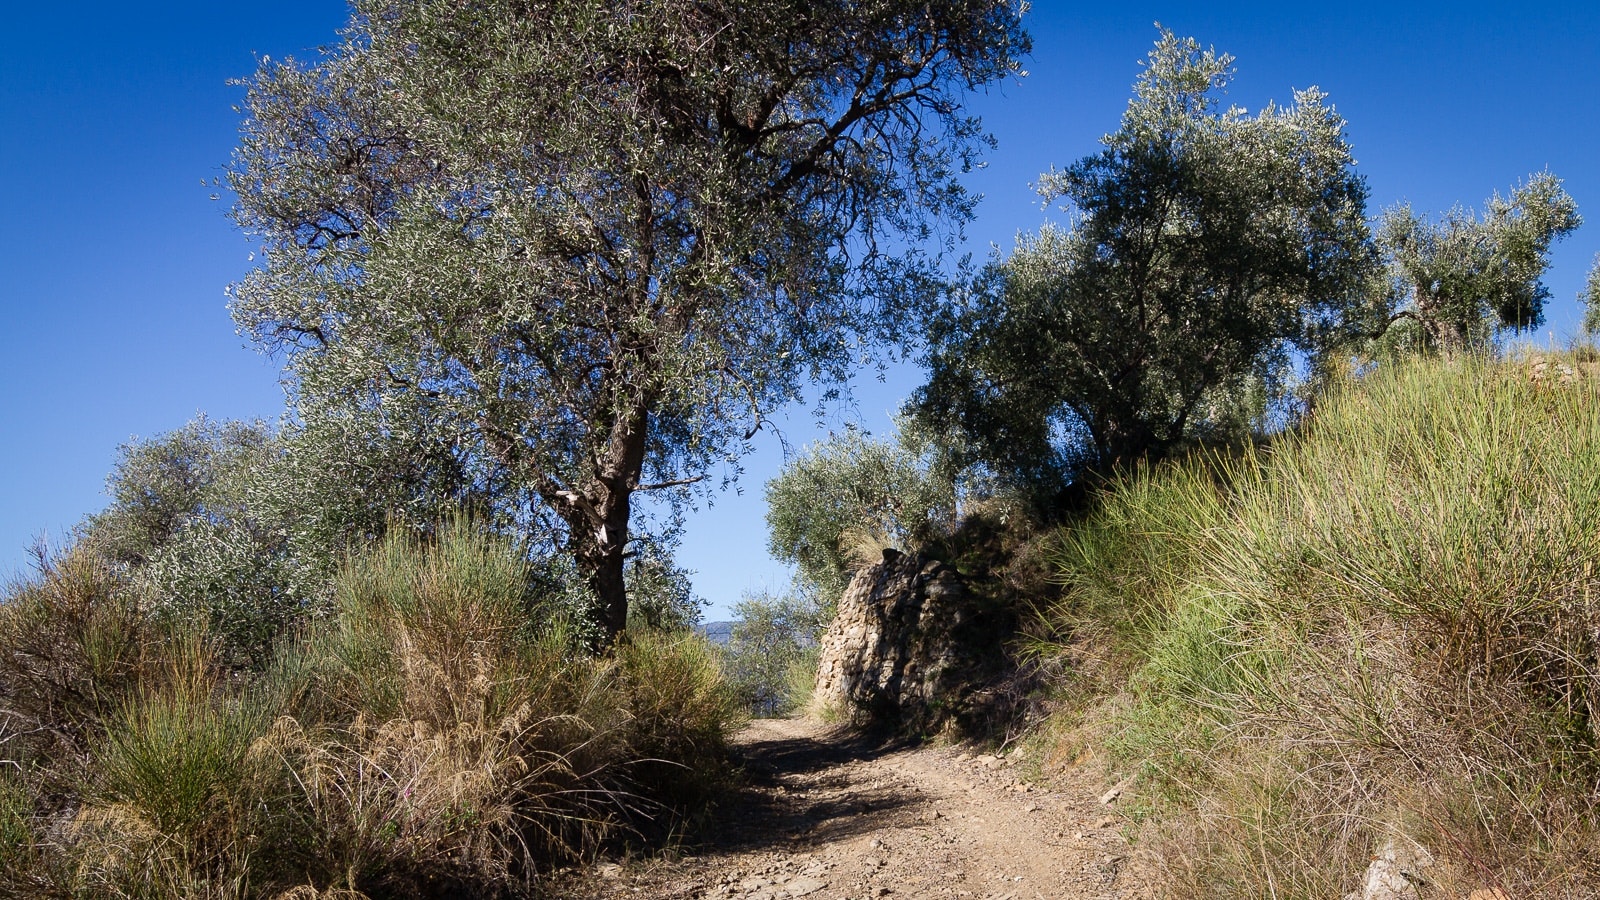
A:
830, 817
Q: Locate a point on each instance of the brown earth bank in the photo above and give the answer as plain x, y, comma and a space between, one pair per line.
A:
829, 815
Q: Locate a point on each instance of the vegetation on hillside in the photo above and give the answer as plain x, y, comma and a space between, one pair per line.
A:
1299, 550
772, 651
1336, 590
437, 733
1379, 625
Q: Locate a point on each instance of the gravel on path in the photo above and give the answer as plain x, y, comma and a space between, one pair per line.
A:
826, 815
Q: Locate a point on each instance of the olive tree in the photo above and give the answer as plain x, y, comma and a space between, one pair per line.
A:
1206, 244
1590, 297
1465, 277
598, 241
839, 502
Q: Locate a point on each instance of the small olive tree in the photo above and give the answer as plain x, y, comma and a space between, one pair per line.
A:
838, 503
771, 656
1465, 277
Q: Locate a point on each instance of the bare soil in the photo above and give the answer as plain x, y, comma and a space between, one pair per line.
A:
827, 815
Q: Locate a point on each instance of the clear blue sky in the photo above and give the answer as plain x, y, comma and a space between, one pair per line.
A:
113, 257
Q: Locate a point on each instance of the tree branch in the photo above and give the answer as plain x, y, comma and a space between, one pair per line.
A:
659, 485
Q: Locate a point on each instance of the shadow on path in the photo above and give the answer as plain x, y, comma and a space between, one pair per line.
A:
801, 790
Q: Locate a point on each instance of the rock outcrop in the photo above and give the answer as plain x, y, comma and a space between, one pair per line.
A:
909, 647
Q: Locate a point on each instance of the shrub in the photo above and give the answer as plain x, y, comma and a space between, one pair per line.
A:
445, 729
73, 645
245, 525
168, 788
681, 706
682, 712
441, 733
174, 763
771, 656
438, 731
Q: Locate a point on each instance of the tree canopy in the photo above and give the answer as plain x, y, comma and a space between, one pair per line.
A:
841, 501
1465, 276
1205, 244
591, 244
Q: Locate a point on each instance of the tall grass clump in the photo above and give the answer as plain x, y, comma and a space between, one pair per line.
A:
450, 735
1127, 567
440, 733
74, 644
682, 710
167, 794
1146, 638
1378, 631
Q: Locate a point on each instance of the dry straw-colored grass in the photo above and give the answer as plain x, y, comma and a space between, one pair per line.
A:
438, 736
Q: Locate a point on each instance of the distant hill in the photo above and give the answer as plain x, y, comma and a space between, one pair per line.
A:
719, 633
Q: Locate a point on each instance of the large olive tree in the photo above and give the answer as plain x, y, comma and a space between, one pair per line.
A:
596, 241
1205, 245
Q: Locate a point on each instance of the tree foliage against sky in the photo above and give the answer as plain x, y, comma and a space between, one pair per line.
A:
1465, 277
594, 242
1590, 297
841, 501
1204, 244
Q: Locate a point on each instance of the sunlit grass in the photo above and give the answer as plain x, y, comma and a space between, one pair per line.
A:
440, 733
1383, 623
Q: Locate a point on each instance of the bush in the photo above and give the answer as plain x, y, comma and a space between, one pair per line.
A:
771, 656
682, 711
19, 850
439, 731
169, 793
173, 761
450, 731
245, 525
73, 645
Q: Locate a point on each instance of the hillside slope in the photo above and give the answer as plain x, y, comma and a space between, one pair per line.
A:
1382, 630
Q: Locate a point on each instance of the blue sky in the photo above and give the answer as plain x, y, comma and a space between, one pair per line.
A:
114, 257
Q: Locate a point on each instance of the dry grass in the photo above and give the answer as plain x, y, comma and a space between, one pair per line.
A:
438, 736
1385, 625
76, 645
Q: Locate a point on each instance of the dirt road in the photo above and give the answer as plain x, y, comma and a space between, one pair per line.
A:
830, 817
